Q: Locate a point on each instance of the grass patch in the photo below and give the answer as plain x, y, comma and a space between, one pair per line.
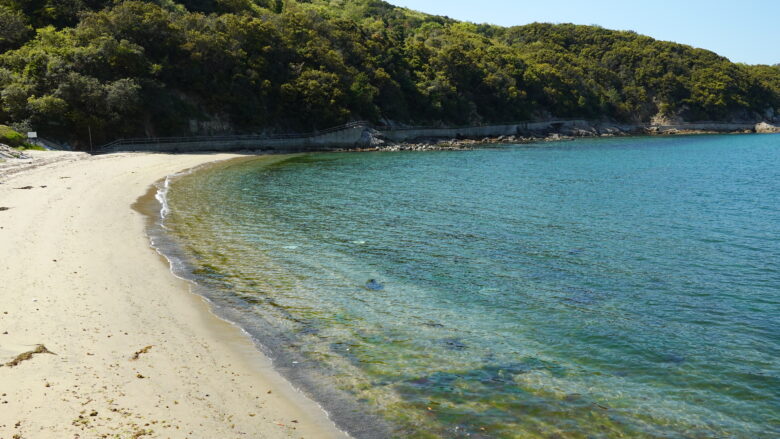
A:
16, 140
30, 146
11, 137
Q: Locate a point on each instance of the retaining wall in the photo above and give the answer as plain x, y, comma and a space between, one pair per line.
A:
346, 138
357, 135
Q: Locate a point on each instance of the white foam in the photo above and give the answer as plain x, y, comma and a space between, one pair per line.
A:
162, 197
162, 192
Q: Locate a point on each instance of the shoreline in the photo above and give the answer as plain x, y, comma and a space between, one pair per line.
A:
455, 144
82, 279
231, 363
304, 374
361, 136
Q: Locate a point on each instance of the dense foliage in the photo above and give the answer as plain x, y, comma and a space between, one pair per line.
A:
124, 68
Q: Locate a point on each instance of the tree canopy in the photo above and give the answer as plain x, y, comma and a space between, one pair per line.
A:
136, 68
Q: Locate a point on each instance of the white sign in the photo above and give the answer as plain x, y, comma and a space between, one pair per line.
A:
32, 134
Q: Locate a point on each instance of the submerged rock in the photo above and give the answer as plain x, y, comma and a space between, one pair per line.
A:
672, 358
373, 285
454, 344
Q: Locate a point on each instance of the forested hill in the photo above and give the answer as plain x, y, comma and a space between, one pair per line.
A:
136, 68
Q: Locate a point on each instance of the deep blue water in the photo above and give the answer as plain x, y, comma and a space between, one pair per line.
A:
598, 288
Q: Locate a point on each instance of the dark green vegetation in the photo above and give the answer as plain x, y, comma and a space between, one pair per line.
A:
130, 68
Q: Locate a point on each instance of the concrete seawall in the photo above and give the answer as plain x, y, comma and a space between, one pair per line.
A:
344, 138
361, 135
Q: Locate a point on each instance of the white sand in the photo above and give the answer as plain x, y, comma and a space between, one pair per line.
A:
77, 275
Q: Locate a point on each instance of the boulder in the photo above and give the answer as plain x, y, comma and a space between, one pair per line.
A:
764, 127
371, 138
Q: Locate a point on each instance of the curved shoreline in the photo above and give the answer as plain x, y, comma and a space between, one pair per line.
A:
306, 376
81, 278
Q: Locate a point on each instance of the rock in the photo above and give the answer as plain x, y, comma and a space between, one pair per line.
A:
766, 128
373, 285
454, 344
555, 137
371, 138
10, 153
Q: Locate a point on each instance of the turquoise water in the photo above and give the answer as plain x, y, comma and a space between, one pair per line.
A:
590, 289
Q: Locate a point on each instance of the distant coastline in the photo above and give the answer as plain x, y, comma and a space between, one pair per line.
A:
141, 68
363, 136
585, 129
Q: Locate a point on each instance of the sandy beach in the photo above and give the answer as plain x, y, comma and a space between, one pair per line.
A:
123, 348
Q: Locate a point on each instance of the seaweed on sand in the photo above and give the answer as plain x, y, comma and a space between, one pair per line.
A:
39, 349
140, 352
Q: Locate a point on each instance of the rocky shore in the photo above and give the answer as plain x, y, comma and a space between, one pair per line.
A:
6, 152
375, 140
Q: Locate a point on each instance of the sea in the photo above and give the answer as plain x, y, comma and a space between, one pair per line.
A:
597, 288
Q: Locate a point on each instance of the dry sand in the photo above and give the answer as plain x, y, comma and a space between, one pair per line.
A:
78, 276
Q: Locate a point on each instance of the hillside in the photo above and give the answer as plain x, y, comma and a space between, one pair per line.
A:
165, 67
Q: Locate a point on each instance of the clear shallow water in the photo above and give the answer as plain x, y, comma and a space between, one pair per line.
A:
596, 288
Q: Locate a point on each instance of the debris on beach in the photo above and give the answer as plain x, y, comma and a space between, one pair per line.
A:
3, 208
39, 349
138, 353
24, 187
140, 433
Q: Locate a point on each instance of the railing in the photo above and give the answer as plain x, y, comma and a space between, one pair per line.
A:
229, 138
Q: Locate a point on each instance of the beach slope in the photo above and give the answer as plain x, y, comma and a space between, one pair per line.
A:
99, 339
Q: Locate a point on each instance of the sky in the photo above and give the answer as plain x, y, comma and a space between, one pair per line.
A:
746, 31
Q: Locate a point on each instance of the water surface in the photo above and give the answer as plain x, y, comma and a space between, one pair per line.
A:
598, 288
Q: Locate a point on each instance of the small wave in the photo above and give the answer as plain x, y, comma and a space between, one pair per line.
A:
340, 408
162, 192
162, 196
